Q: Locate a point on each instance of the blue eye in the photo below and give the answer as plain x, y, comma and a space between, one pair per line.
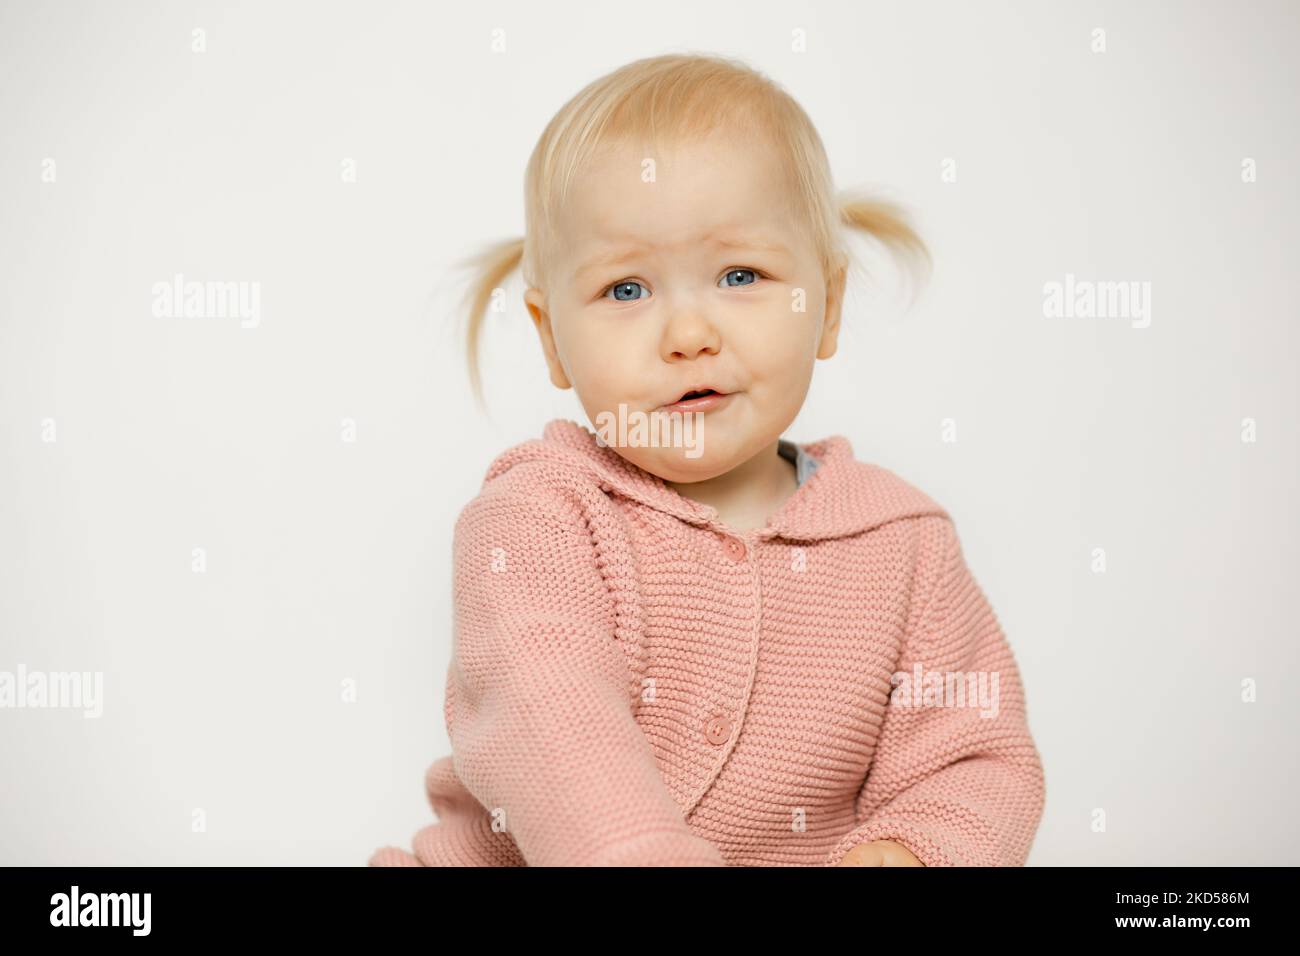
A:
726, 279
626, 291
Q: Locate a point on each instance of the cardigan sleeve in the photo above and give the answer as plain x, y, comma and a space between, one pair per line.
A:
955, 779
540, 695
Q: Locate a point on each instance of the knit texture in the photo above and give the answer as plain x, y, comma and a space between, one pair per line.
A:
633, 682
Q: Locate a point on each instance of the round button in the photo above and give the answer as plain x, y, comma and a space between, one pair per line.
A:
718, 730
735, 549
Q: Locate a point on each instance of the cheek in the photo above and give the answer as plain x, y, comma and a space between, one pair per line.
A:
782, 343
780, 363
600, 366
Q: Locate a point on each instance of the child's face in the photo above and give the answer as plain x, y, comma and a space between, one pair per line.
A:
676, 312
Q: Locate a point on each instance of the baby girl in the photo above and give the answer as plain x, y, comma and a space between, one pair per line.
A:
746, 652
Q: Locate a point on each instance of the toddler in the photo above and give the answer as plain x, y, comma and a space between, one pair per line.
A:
681, 639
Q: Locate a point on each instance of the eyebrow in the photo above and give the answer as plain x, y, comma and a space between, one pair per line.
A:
630, 250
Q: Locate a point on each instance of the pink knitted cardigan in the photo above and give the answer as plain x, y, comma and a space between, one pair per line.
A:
634, 683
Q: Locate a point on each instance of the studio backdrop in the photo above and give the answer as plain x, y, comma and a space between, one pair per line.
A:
226, 516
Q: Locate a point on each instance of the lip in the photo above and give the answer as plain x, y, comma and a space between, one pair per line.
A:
704, 403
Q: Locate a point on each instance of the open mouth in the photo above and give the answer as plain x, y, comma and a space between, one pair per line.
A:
698, 400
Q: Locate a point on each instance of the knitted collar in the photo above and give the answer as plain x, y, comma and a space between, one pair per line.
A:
843, 496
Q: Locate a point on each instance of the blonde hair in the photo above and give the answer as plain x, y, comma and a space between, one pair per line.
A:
673, 98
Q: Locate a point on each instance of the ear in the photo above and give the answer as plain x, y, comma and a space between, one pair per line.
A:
535, 299
834, 307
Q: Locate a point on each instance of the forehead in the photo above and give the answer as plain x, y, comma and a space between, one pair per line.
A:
718, 188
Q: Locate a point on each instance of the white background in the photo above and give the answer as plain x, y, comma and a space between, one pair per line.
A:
329, 561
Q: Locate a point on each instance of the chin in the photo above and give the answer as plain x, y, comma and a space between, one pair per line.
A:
673, 464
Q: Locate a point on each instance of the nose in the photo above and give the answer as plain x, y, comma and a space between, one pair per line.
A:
689, 333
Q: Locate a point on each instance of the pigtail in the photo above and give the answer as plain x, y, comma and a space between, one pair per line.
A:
489, 270
886, 222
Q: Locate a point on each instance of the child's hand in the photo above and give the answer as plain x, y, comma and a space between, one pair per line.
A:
880, 853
